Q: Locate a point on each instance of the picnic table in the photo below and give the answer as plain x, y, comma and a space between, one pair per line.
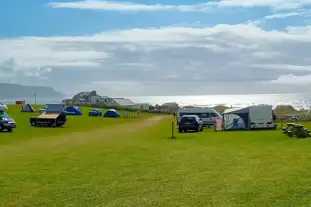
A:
296, 130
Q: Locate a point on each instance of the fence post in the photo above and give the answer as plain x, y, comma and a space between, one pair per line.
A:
173, 134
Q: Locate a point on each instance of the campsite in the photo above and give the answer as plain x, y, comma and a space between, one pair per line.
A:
135, 162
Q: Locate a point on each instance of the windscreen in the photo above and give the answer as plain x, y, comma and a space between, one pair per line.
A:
188, 119
3, 115
198, 114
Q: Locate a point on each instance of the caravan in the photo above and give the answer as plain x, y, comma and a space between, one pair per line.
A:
249, 118
207, 115
261, 117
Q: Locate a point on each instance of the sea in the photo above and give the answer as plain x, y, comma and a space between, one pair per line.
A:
298, 101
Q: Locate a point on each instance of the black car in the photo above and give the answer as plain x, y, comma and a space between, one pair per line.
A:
190, 122
6, 122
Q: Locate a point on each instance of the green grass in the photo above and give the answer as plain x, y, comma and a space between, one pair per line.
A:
74, 124
140, 165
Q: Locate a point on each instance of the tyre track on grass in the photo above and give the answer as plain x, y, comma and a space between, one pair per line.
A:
77, 138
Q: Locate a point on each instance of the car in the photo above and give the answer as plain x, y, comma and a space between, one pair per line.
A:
6, 122
190, 122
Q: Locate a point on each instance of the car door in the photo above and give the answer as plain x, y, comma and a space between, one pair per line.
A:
205, 118
213, 117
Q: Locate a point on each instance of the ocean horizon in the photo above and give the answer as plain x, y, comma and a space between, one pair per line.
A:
298, 101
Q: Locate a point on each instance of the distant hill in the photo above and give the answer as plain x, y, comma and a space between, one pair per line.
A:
9, 90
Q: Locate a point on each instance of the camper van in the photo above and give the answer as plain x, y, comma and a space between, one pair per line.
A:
261, 117
207, 115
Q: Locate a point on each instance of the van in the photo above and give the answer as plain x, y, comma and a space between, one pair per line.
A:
207, 115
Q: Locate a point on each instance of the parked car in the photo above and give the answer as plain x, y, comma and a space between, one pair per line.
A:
190, 122
6, 122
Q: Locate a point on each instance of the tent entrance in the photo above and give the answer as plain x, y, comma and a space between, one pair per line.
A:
27, 108
236, 119
234, 122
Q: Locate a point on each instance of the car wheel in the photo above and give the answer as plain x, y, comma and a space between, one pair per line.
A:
10, 130
201, 129
198, 129
180, 131
33, 123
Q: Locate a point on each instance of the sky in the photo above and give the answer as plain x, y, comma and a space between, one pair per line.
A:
157, 47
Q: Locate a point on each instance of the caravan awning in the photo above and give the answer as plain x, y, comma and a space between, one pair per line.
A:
236, 110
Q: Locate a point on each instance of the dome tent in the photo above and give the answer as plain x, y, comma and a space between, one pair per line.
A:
73, 110
95, 112
27, 108
112, 113
3, 107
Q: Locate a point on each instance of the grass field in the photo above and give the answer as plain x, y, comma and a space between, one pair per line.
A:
74, 124
138, 164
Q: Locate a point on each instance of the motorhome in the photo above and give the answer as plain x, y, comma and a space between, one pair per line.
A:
207, 115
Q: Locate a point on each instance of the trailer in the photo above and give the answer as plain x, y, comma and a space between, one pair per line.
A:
54, 115
49, 119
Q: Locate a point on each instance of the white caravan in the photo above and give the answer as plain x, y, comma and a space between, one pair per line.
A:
260, 117
207, 115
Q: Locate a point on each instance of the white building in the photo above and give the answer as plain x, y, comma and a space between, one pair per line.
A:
171, 105
93, 98
127, 103
97, 99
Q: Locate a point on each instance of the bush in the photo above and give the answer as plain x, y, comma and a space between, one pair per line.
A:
221, 108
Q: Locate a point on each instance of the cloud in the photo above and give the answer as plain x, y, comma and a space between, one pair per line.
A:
291, 79
275, 4
201, 7
161, 61
284, 15
129, 6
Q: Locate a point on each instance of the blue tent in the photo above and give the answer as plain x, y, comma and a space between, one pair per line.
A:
111, 113
73, 110
95, 112
27, 108
236, 119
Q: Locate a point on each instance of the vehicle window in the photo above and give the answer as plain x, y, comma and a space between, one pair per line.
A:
188, 119
3, 115
183, 114
213, 115
204, 115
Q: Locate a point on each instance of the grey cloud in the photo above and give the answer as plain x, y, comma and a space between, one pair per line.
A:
221, 59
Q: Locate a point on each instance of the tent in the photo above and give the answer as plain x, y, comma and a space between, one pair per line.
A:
236, 119
27, 108
55, 108
95, 112
111, 113
3, 107
73, 110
